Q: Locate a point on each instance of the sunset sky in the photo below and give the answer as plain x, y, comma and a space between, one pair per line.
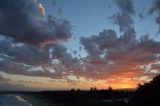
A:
64, 44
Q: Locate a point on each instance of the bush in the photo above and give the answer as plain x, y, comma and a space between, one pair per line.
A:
147, 94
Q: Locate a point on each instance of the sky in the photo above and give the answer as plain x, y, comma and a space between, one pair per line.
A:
65, 44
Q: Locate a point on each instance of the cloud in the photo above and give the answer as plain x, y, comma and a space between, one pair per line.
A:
123, 18
13, 87
30, 40
108, 53
26, 59
141, 16
155, 8
2, 79
123, 54
29, 82
25, 53
126, 6
107, 42
24, 21
96, 45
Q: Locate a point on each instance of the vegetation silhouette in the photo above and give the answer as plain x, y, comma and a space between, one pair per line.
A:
147, 94
110, 88
93, 97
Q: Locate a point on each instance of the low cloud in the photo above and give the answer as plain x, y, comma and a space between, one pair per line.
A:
2, 79
13, 87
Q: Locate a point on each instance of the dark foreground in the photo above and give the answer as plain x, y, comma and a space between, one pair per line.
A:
147, 94
77, 98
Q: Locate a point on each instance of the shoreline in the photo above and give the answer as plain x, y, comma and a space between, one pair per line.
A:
36, 100
13, 100
23, 100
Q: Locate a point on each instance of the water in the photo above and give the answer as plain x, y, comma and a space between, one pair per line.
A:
12, 100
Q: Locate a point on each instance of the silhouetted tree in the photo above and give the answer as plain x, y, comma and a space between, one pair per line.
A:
91, 89
110, 88
72, 89
95, 89
147, 94
78, 89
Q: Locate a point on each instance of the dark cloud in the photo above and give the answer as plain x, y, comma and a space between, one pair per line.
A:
11, 67
108, 52
24, 28
56, 51
96, 45
124, 17
126, 6
24, 21
118, 54
155, 8
25, 53
124, 21
141, 16
107, 41
25, 59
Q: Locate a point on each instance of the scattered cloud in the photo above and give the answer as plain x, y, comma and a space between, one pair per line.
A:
110, 53
155, 8
30, 45
124, 17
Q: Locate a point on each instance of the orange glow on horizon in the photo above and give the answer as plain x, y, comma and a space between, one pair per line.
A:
42, 83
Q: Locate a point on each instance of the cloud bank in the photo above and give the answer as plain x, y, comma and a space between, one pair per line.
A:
24, 21
30, 45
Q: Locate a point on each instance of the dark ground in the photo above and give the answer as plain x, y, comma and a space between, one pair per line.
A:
147, 94
77, 98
